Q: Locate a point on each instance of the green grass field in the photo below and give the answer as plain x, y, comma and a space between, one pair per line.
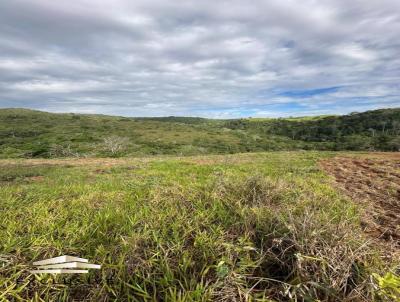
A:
245, 227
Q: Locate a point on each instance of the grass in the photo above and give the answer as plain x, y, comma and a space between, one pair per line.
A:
245, 227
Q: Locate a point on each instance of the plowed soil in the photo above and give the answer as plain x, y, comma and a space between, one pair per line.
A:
373, 181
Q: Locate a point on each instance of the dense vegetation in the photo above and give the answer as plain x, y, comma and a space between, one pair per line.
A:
247, 227
28, 133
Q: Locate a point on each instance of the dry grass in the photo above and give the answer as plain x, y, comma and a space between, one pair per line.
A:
374, 182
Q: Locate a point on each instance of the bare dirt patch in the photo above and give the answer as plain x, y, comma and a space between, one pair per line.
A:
374, 181
75, 162
35, 178
236, 159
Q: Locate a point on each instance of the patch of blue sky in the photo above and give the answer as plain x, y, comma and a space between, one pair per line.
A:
308, 92
267, 110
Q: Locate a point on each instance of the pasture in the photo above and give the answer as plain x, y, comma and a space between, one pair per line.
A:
272, 226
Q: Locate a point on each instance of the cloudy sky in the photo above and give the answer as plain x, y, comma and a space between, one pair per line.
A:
200, 58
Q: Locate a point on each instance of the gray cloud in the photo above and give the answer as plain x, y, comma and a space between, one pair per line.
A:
208, 58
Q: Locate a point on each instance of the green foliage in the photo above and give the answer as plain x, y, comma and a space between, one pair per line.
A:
389, 286
28, 133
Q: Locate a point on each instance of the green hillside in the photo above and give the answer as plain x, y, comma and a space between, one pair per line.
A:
28, 133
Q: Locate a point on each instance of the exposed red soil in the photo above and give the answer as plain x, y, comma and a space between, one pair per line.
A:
374, 182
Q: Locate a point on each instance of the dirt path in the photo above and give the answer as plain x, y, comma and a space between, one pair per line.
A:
373, 181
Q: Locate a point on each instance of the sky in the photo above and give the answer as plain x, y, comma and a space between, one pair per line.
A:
218, 59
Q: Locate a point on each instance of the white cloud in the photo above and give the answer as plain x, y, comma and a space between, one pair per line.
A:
57, 86
354, 51
216, 58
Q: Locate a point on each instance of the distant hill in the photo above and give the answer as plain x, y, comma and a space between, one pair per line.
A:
30, 133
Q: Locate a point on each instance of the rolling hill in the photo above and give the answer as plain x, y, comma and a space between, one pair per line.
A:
28, 133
